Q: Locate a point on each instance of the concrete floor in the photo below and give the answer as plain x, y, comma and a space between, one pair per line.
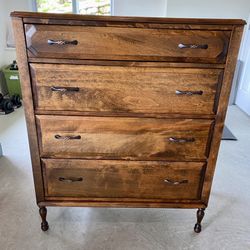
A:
226, 224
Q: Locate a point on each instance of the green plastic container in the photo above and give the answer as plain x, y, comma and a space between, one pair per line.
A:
12, 81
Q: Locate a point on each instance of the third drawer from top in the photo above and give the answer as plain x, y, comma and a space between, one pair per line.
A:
124, 138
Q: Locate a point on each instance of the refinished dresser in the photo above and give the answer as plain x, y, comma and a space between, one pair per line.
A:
124, 111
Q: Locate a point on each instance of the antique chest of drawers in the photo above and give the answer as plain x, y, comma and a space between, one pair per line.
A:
124, 111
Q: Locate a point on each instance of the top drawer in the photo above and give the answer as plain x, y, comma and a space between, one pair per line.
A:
113, 43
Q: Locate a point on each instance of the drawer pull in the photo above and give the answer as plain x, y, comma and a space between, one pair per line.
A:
181, 140
175, 182
65, 89
180, 92
68, 137
62, 42
70, 179
192, 46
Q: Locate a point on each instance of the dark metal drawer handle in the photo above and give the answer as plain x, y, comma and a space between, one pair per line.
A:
192, 46
70, 179
180, 92
62, 42
175, 182
68, 137
181, 140
65, 89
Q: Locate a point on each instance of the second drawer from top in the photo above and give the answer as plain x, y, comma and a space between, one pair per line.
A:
115, 89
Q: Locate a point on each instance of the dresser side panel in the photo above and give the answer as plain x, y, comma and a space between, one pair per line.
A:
28, 106
222, 109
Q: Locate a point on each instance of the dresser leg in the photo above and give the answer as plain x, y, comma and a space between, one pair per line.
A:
43, 214
200, 214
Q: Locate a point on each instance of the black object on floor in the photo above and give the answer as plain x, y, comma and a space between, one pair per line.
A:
6, 106
227, 135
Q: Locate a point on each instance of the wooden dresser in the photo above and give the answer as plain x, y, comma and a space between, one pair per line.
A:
124, 111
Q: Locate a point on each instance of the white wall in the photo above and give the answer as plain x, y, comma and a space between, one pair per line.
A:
209, 9
6, 6
157, 8
2, 35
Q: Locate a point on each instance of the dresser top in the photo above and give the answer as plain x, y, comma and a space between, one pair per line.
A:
37, 15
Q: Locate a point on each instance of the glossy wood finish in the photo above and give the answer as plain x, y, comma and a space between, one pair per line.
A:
124, 125
222, 109
136, 24
118, 89
128, 204
106, 43
128, 179
49, 17
123, 138
27, 100
54, 61
125, 200
200, 214
43, 214
120, 114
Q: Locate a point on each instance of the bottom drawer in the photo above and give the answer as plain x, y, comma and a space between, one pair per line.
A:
123, 179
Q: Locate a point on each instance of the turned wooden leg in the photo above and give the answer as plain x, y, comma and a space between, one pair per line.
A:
200, 214
43, 214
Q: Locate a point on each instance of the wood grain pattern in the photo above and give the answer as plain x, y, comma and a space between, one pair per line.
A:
114, 142
118, 89
128, 204
126, 43
134, 24
123, 138
128, 179
28, 104
70, 17
76, 61
102, 199
122, 114
222, 108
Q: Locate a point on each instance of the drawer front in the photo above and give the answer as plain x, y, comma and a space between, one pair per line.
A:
114, 43
119, 89
123, 179
116, 138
